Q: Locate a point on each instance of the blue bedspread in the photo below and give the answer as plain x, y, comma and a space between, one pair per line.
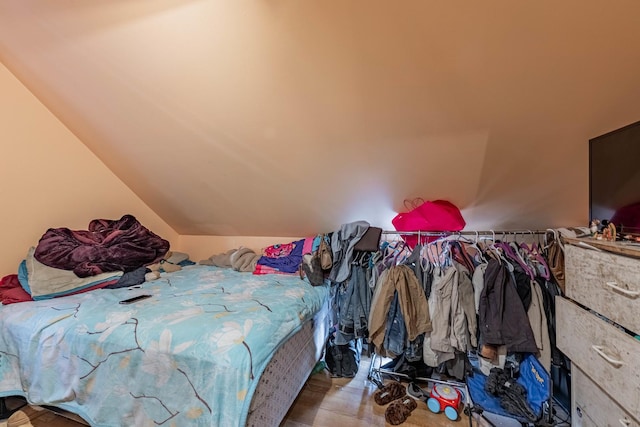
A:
190, 355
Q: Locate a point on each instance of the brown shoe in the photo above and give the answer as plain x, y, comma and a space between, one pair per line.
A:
392, 391
399, 410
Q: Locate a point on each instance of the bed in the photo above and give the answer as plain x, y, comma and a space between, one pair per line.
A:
210, 347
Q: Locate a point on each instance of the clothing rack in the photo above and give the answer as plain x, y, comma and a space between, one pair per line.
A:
467, 233
376, 371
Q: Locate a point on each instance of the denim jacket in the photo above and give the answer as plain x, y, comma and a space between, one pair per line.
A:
354, 302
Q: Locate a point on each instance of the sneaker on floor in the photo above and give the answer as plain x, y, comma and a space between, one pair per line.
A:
416, 392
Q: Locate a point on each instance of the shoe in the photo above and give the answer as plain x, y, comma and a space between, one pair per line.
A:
399, 410
416, 392
392, 391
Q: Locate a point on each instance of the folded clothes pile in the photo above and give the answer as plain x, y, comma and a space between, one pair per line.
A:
241, 259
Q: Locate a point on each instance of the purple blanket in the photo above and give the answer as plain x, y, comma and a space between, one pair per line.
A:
108, 245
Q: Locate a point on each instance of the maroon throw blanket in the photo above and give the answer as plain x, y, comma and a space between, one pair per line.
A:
108, 245
11, 291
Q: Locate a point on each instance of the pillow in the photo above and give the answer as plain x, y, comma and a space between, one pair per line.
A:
44, 282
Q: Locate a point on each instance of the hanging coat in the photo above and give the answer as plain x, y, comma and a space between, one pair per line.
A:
502, 318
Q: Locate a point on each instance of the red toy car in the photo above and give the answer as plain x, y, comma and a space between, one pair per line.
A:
445, 398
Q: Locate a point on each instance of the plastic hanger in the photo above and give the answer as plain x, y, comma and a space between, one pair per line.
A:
535, 256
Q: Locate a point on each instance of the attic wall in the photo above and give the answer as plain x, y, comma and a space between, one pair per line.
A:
259, 119
50, 179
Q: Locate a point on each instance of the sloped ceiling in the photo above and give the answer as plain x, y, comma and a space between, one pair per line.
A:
281, 118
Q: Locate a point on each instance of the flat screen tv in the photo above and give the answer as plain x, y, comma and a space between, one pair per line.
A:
614, 178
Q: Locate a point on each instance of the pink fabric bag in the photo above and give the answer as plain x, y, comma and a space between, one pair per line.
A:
436, 215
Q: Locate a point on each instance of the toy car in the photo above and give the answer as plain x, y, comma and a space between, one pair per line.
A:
445, 398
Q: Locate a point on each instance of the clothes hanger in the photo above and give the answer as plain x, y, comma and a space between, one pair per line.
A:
473, 244
514, 255
445, 254
479, 251
524, 260
556, 238
498, 250
492, 249
460, 254
414, 256
535, 256
391, 252
436, 259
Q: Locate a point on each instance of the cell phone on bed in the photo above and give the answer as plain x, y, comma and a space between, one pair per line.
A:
134, 299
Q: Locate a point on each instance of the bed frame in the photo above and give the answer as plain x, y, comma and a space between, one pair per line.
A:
296, 358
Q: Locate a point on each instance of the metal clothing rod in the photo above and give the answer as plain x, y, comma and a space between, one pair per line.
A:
465, 232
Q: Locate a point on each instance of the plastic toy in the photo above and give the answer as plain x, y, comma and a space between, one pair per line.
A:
445, 398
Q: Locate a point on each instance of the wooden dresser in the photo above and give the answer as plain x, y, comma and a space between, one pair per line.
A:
602, 288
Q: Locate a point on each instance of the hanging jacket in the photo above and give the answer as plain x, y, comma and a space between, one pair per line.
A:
539, 325
465, 325
343, 242
437, 346
411, 298
395, 331
354, 298
502, 317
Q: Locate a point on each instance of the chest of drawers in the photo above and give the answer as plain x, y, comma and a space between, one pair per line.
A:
595, 326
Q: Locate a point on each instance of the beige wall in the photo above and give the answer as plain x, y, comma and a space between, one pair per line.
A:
50, 179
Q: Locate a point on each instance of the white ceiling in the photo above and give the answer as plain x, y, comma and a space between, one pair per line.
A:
281, 118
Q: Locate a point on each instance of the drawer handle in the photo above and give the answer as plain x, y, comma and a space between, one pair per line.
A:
625, 422
599, 349
627, 292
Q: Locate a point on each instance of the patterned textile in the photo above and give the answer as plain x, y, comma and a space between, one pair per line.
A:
191, 355
285, 261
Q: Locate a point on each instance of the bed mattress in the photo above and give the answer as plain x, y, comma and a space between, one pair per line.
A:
191, 355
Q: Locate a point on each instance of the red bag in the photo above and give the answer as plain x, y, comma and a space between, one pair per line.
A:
437, 215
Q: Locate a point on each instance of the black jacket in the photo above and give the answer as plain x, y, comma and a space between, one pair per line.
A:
502, 318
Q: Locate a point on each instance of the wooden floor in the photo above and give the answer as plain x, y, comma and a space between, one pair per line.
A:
326, 401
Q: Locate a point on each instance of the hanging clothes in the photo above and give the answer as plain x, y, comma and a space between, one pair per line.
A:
412, 301
354, 303
465, 325
539, 326
395, 330
438, 346
496, 294
502, 317
343, 242
478, 283
421, 268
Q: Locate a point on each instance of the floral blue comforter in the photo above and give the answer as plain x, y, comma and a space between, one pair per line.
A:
190, 355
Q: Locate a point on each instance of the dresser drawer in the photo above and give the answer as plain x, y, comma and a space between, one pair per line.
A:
608, 356
607, 283
590, 406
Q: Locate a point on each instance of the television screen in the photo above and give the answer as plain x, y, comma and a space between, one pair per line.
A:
614, 178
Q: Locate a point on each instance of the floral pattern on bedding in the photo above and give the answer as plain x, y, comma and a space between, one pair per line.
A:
190, 355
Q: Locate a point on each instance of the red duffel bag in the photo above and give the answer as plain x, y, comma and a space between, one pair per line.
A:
436, 215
